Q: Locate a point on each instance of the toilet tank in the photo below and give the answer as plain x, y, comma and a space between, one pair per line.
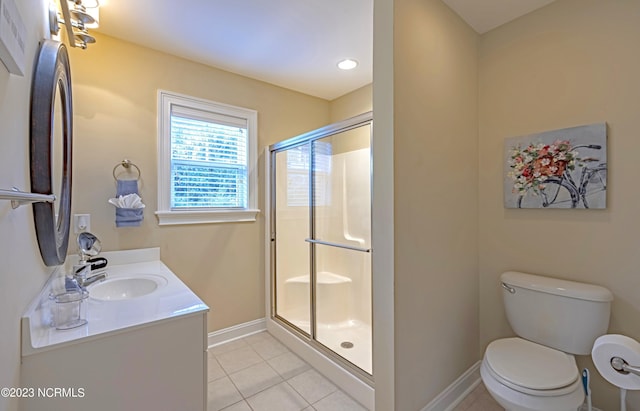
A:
564, 315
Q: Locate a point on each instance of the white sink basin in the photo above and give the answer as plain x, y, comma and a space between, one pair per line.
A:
126, 288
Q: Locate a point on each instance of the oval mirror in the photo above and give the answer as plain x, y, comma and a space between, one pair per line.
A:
51, 132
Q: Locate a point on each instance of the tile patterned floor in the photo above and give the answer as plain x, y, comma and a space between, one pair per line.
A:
258, 373
479, 400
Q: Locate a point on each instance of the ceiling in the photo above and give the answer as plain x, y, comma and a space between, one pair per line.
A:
293, 44
485, 15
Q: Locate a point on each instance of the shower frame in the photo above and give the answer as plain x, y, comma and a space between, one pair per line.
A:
350, 377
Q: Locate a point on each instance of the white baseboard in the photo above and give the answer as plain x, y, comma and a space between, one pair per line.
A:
453, 395
235, 332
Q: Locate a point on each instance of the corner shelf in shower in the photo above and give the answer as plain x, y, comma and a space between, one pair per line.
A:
19, 198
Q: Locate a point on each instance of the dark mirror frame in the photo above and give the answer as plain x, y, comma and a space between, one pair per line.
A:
52, 75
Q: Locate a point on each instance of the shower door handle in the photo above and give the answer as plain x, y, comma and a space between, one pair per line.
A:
348, 247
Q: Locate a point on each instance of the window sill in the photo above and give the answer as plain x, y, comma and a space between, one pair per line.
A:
206, 217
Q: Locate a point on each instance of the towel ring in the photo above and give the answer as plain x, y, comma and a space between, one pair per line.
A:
126, 164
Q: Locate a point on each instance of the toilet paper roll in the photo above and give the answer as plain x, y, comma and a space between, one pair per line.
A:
609, 346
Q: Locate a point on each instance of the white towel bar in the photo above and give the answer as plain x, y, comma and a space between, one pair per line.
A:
19, 198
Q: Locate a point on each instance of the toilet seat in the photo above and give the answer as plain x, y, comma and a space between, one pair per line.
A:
531, 368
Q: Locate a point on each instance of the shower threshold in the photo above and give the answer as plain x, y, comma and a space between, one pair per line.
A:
355, 332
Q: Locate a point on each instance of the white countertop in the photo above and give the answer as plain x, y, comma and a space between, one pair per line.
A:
106, 317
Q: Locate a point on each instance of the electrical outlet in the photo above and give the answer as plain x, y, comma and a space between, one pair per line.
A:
81, 223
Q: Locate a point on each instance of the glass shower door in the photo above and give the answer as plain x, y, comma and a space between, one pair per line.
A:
292, 255
341, 234
321, 240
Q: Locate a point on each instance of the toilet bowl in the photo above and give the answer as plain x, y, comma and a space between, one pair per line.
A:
524, 376
554, 320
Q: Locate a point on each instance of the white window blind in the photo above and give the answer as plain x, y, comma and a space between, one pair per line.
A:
207, 155
208, 163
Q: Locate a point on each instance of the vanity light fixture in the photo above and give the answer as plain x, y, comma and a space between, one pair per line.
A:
347, 64
93, 9
77, 18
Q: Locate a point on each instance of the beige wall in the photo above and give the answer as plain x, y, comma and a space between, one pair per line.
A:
436, 196
115, 98
357, 102
382, 210
573, 62
22, 274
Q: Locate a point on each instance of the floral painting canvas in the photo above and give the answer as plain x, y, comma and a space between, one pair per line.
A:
564, 168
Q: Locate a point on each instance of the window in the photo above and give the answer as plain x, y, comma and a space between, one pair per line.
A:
207, 155
298, 163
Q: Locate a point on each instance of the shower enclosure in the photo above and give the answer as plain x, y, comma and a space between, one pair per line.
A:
320, 240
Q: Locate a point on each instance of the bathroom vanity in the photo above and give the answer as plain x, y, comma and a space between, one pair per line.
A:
144, 346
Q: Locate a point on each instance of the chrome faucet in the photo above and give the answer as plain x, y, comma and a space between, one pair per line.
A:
83, 275
89, 247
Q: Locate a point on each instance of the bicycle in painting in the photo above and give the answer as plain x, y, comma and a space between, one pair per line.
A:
558, 175
562, 191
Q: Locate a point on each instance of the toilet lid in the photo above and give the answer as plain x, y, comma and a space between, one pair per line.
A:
530, 365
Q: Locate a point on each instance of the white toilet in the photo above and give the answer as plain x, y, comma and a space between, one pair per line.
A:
554, 319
